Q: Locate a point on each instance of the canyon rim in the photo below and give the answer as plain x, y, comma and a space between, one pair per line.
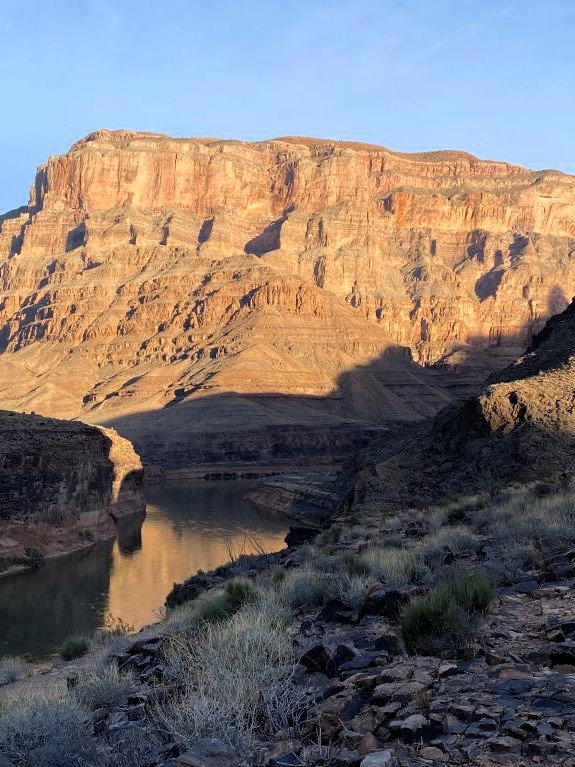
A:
224, 302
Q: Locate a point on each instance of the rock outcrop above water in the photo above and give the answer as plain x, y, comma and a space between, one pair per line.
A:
62, 484
210, 298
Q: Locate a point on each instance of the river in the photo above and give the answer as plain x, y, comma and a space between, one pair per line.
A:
190, 525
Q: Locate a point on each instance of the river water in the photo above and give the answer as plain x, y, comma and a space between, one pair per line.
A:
190, 525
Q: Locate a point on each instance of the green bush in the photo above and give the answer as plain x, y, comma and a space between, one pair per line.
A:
74, 647
355, 565
449, 614
217, 606
305, 587
330, 536
240, 592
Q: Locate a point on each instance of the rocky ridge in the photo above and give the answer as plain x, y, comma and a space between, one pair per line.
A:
209, 298
62, 485
519, 428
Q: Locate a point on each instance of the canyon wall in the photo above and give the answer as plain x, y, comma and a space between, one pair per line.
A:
62, 485
210, 298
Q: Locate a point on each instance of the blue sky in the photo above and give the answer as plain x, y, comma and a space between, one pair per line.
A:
496, 78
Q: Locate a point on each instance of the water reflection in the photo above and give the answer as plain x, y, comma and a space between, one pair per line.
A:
190, 525
40, 608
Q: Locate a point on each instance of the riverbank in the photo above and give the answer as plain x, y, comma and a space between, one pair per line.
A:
218, 472
190, 525
327, 626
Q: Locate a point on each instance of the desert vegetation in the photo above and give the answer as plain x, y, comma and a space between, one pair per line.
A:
230, 668
75, 646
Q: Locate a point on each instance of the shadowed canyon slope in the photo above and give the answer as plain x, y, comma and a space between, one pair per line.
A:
220, 300
520, 427
62, 484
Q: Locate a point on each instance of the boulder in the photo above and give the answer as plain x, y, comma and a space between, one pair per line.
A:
380, 600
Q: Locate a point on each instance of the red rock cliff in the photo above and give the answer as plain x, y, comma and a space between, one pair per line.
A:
148, 271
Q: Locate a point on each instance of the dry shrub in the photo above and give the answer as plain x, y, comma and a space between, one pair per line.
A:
46, 729
235, 678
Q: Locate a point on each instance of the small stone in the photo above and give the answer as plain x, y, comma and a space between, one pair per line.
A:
361, 662
286, 747
562, 653
397, 691
504, 744
287, 760
415, 727
99, 714
336, 610
148, 646
379, 759
433, 754
135, 713
366, 721
448, 669
463, 711
350, 737
317, 658
368, 744
526, 587
391, 644
344, 758
383, 601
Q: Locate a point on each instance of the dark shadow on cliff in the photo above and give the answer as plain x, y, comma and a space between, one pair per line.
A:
520, 428
273, 428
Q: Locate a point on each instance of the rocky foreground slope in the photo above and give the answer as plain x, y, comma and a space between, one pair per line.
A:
62, 484
236, 302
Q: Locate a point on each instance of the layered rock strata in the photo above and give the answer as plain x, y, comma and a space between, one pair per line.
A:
211, 297
62, 485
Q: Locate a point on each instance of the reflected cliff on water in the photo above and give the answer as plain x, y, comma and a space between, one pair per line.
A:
190, 525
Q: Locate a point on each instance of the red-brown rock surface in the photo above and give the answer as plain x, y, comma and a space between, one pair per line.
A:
219, 300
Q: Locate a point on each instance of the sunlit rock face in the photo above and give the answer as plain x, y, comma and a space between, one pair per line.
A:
211, 298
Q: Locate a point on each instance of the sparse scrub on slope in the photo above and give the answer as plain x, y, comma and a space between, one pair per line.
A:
103, 687
458, 541
75, 646
46, 730
449, 615
235, 676
13, 668
394, 566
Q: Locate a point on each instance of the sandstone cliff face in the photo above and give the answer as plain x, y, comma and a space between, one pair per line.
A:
62, 484
176, 287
